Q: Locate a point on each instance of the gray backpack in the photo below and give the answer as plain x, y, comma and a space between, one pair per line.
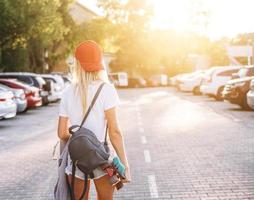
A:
86, 151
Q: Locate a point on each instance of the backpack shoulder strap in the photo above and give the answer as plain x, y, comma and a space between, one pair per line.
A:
92, 104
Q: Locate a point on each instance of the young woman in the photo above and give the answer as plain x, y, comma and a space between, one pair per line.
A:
88, 75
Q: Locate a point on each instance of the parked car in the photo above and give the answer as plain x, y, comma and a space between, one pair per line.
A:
244, 72
56, 88
160, 79
19, 97
150, 82
31, 93
32, 80
191, 82
250, 95
119, 79
8, 107
67, 79
136, 82
236, 91
173, 80
215, 79
60, 80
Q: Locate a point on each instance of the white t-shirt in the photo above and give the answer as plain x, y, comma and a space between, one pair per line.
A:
71, 107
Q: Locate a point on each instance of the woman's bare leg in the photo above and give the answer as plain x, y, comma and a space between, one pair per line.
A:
78, 188
104, 188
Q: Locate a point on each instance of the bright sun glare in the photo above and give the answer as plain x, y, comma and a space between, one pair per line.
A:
225, 17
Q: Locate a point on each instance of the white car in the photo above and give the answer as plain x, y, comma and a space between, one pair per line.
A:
191, 83
119, 79
56, 87
8, 107
160, 79
173, 80
215, 79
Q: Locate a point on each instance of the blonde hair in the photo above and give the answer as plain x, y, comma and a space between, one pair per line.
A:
82, 79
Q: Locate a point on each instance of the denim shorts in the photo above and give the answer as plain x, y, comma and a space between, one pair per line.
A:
98, 172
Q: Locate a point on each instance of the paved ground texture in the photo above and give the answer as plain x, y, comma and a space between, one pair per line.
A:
179, 146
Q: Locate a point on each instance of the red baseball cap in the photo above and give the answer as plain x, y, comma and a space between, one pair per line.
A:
89, 55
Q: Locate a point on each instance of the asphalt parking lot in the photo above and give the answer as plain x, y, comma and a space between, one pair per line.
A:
179, 146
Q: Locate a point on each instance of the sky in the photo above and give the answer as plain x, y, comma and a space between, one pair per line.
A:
226, 18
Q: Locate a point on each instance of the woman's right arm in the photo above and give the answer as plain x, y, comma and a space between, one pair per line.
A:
62, 130
116, 139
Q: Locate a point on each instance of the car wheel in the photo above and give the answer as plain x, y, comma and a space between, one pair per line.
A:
196, 91
24, 111
218, 97
245, 104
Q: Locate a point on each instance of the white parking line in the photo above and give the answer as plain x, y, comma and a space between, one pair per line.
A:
141, 130
143, 140
147, 156
153, 186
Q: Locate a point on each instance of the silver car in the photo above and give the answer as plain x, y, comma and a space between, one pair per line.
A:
19, 97
8, 107
56, 87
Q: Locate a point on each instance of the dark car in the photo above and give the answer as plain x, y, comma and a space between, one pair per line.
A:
32, 80
136, 82
236, 91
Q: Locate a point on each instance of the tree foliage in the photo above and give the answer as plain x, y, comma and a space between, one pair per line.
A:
145, 51
34, 32
32, 26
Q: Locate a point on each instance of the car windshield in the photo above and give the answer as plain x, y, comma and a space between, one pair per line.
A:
49, 79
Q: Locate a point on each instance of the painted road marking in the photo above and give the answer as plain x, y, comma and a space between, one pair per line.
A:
147, 156
141, 130
143, 140
153, 186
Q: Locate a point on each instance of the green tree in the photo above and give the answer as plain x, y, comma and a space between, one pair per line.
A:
33, 26
131, 27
